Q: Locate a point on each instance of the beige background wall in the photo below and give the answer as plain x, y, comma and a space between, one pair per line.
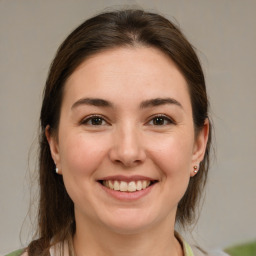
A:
225, 33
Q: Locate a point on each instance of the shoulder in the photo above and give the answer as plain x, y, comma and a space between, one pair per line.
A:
19, 252
195, 250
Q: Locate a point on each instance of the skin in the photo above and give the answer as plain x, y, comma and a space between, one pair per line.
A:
127, 139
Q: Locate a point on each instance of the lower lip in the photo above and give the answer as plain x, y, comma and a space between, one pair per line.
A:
127, 196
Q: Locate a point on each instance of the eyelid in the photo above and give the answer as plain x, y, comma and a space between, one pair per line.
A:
166, 117
88, 118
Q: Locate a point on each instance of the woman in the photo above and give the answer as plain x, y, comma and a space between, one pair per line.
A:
125, 140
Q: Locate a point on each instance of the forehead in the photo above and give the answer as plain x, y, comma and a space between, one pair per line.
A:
133, 72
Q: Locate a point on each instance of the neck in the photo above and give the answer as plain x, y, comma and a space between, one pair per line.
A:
91, 240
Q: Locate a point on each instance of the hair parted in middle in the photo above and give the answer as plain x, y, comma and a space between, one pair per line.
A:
123, 28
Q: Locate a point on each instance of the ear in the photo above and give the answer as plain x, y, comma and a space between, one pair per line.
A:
200, 147
54, 147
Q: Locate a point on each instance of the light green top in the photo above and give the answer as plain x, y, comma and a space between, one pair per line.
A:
187, 251
186, 247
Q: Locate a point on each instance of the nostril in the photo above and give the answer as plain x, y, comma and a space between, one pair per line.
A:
127, 162
127, 152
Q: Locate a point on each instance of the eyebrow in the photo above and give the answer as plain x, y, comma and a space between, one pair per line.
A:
93, 102
159, 102
144, 104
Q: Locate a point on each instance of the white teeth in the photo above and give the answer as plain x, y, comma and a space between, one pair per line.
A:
139, 185
132, 186
111, 185
144, 184
124, 186
116, 185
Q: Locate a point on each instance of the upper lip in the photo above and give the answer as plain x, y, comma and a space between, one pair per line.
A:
127, 178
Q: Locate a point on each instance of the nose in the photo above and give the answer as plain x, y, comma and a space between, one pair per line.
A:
127, 148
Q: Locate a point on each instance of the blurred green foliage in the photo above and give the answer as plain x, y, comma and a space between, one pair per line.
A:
248, 249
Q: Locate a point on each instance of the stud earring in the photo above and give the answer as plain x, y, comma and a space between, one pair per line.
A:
195, 169
57, 170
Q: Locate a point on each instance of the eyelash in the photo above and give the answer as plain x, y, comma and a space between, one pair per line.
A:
91, 118
163, 118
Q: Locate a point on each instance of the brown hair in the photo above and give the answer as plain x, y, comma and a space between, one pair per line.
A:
126, 28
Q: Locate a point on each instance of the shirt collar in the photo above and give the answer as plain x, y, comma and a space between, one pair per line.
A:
185, 246
55, 250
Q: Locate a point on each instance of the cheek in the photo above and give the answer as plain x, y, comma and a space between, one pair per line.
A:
173, 155
80, 154
172, 158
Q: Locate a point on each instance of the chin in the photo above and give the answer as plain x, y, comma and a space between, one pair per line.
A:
128, 228
129, 222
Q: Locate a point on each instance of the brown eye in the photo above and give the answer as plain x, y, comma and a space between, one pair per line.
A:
160, 121
94, 121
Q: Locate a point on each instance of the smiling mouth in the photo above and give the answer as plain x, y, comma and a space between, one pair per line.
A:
123, 186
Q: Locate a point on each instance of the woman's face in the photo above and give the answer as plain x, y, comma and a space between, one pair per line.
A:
126, 146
